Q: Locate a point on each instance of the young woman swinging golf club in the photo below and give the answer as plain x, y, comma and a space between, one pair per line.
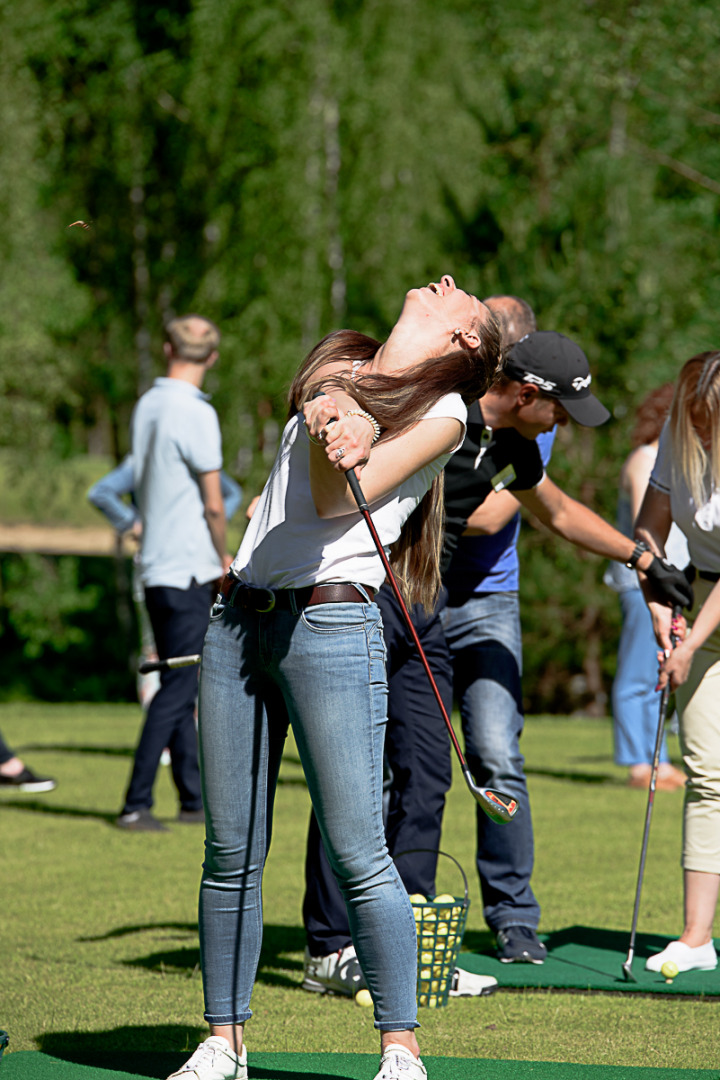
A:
295, 638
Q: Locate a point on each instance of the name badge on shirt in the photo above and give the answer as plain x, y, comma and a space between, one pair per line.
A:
485, 440
503, 478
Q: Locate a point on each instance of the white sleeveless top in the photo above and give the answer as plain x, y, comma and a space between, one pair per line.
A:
287, 546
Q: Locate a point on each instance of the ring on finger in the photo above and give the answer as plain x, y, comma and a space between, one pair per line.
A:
339, 453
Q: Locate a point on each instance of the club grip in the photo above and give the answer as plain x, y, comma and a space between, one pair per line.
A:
356, 490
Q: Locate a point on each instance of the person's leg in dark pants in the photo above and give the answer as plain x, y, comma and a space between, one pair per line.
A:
179, 619
6, 754
418, 752
417, 747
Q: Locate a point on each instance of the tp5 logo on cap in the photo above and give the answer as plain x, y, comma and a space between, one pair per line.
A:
559, 368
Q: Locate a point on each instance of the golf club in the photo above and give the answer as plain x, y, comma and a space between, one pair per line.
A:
627, 966
170, 664
498, 806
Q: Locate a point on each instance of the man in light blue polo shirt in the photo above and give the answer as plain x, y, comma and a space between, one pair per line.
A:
177, 458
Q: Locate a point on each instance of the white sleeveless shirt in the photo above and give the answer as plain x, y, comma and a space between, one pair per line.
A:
287, 546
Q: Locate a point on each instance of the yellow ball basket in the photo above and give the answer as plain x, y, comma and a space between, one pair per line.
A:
440, 928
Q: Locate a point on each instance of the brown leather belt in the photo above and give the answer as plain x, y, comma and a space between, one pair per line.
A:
237, 594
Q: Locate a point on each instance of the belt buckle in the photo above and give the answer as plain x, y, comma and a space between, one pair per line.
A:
271, 601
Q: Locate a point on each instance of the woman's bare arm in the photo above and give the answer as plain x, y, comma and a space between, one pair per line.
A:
389, 464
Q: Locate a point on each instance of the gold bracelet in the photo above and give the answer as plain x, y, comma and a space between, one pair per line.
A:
370, 419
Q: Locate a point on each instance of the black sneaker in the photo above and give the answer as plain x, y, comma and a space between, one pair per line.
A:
140, 821
27, 781
192, 817
520, 944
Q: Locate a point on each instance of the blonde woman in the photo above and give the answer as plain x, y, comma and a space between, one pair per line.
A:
685, 488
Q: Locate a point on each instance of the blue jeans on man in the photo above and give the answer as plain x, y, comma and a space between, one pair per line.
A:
483, 634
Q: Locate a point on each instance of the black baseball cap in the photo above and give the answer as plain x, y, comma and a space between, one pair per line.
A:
558, 367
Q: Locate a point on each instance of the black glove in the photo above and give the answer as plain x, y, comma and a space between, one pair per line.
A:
670, 584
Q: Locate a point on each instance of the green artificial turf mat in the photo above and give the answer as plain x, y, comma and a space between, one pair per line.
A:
590, 958
32, 1065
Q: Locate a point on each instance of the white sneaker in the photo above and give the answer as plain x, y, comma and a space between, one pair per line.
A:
467, 984
703, 958
214, 1059
338, 973
399, 1064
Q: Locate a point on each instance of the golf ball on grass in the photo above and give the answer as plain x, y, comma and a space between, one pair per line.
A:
363, 999
669, 970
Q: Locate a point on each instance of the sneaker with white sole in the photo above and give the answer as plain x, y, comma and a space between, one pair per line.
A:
214, 1059
26, 780
702, 958
338, 973
467, 984
399, 1064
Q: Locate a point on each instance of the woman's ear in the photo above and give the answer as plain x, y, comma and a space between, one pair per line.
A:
469, 339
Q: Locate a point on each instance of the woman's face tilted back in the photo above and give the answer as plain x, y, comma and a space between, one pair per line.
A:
431, 315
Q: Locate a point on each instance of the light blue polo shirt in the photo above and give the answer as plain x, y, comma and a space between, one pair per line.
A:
175, 435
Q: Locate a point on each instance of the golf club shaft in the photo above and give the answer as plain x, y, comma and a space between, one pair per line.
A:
169, 664
664, 697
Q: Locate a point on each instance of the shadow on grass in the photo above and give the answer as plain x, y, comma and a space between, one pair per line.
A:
575, 777
75, 748
36, 806
479, 941
279, 943
108, 1051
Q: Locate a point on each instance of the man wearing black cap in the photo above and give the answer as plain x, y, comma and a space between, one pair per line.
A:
545, 381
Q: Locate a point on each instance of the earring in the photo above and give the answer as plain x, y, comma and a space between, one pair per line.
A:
457, 331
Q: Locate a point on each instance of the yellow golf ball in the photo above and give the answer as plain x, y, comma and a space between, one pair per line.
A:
669, 969
363, 999
418, 898
445, 898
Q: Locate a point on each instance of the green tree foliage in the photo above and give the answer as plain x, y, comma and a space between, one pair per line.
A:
288, 168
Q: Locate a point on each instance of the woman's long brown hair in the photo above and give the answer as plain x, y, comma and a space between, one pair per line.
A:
398, 402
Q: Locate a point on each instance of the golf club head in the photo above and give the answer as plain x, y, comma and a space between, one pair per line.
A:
497, 805
627, 971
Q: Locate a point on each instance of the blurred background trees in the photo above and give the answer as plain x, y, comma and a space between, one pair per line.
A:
289, 168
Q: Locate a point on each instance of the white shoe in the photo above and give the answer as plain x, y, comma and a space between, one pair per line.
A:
338, 973
399, 1064
466, 984
703, 958
214, 1059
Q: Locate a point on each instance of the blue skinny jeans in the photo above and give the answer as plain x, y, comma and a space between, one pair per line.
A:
323, 672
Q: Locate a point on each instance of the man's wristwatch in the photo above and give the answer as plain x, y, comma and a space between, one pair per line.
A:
639, 549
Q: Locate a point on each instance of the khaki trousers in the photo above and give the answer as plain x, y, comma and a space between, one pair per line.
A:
698, 705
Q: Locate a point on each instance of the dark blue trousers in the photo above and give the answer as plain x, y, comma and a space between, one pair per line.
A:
5, 752
179, 620
418, 768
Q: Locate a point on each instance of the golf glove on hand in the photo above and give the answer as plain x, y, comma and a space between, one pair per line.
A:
670, 584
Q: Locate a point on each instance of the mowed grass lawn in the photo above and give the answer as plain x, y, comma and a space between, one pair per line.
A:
98, 927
